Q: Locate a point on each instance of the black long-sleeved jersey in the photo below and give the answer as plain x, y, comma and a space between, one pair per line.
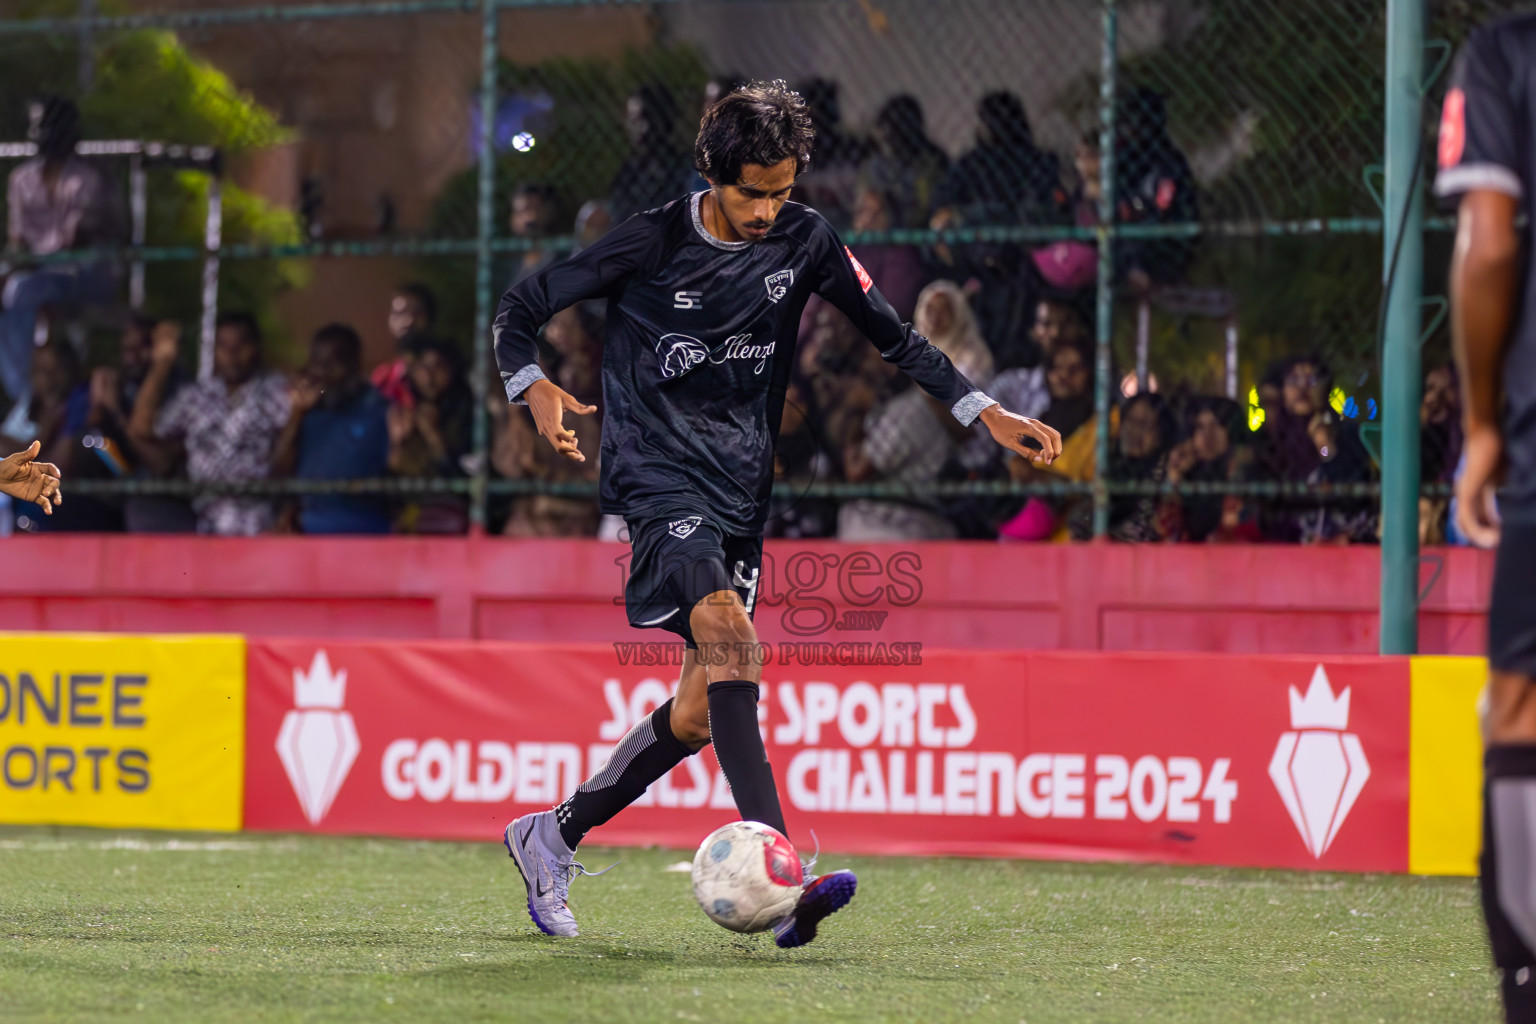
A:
1488, 141
701, 340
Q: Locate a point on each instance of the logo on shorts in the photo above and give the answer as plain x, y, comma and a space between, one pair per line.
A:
1319, 768
683, 528
778, 284
679, 354
318, 740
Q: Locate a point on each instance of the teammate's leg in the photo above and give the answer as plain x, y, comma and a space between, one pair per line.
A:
1508, 862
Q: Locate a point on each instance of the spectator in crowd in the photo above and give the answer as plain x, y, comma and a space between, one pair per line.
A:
905, 164
897, 270
1069, 378
114, 393
1293, 393
1213, 454
412, 313
535, 211
574, 335
1342, 459
1139, 455
1439, 447
593, 221
909, 438
224, 426
1057, 322
55, 414
1154, 186
1005, 178
54, 201
431, 436
337, 429
658, 168
830, 179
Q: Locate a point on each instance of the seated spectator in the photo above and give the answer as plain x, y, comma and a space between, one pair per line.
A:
224, 426
905, 165
1139, 455
55, 414
430, 437
1439, 447
1212, 454
412, 311
519, 453
1005, 178
1023, 389
1069, 379
593, 221
1342, 459
831, 178
1154, 185
897, 270
535, 212
54, 201
1057, 322
909, 438
1293, 393
115, 391
337, 429
658, 168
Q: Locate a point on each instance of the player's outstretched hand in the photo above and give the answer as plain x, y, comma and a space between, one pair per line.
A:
1010, 430
1477, 516
549, 404
26, 480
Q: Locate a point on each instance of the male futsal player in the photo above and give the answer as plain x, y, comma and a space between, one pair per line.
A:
1487, 158
704, 300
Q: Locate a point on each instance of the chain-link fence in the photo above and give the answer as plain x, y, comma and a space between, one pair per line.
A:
1160, 219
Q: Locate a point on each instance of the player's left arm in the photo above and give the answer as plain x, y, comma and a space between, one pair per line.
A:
845, 284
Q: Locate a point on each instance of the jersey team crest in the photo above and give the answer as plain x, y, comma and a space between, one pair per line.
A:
683, 528
778, 284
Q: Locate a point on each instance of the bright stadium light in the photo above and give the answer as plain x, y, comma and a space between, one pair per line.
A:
523, 142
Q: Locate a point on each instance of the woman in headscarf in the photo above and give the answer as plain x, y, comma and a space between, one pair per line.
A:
908, 438
1140, 455
1213, 452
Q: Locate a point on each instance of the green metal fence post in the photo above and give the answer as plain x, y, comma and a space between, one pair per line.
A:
485, 226
1108, 63
1403, 269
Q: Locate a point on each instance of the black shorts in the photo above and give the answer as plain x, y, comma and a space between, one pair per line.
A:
1512, 611
677, 559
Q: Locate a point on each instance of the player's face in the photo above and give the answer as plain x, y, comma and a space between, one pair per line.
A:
750, 206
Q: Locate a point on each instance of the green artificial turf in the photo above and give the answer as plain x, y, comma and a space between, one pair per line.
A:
98, 925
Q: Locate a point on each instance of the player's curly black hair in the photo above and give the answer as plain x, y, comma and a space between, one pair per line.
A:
760, 123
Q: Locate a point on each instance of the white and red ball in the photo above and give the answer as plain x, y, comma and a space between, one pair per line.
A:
746, 876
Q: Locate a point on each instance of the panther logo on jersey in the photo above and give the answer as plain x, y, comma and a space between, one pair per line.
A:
679, 353
778, 284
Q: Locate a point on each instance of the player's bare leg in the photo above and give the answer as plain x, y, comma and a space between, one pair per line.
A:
728, 647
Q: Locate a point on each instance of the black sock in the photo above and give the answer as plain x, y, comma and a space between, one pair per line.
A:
1508, 870
739, 749
645, 754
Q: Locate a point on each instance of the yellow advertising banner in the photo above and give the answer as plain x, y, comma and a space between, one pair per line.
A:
122, 731
1445, 773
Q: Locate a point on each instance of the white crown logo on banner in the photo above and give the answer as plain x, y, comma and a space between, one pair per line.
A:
318, 740
1319, 768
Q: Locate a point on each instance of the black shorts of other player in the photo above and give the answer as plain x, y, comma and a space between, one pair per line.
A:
1512, 610
680, 558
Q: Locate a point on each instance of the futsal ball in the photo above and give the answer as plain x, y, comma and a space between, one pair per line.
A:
746, 876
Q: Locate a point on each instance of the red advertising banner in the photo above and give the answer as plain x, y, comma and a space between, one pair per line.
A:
1268, 761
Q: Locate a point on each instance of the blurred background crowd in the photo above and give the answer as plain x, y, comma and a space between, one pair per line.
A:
1017, 316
